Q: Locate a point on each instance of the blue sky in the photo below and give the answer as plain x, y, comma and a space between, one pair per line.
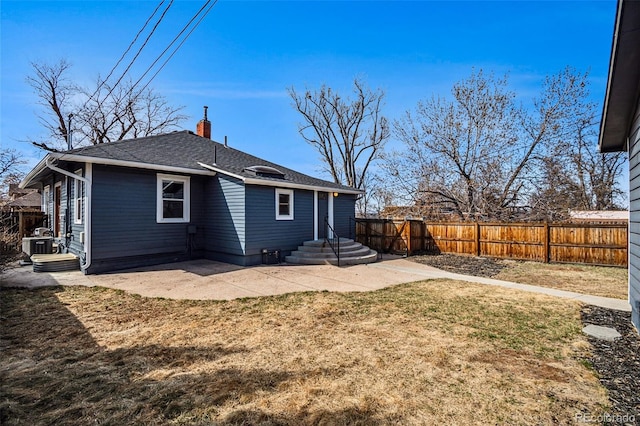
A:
244, 55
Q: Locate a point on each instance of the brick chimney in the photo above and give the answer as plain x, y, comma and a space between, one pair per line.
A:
203, 128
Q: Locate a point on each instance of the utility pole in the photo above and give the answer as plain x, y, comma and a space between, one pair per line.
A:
69, 134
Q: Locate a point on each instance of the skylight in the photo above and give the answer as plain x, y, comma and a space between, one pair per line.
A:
265, 171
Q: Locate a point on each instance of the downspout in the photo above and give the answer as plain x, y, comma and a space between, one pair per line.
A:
87, 179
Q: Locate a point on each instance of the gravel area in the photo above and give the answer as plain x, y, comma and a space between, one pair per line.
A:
468, 265
617, 363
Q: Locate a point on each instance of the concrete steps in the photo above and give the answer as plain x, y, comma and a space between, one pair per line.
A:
319, 252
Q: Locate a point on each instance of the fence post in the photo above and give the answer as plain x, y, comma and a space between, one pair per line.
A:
477, 238
547, 242
407, 235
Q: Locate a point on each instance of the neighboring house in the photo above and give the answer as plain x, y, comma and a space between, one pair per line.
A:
620, 126
21, 199
21, 213
603, 216
181, 196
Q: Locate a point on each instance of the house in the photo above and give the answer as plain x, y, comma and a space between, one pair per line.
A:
620, 126
181, 196
20, 214
600, 216
20, 199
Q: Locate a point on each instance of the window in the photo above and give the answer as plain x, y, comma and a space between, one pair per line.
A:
284, 204
46, 199
173, 199
78, 191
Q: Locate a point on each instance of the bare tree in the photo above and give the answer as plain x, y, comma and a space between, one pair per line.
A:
482, 155
103, 114
348, 133
54, 93
10, 160
457, 151
576, 176
116, 113
10, 173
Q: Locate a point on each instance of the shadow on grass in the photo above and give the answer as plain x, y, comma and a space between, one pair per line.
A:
348, 416
54, 372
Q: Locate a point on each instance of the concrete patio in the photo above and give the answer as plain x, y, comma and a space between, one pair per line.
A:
209, 280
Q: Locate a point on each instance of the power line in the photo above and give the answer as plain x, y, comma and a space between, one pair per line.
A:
140, 49
114, 86
208, 5
103, 82
201, 16
179, 45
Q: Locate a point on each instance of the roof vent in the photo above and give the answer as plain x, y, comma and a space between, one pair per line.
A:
265, 171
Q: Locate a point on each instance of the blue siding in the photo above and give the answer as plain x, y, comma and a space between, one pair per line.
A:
634, 213
344, 211
323, 212
68, 238
264, 231
124, 220
62, 213
229, 221
50, 182
225, 219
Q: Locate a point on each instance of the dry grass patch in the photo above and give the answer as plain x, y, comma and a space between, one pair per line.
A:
595, 280
423, 353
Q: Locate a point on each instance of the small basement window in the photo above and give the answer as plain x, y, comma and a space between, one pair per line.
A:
173, 199
284, 204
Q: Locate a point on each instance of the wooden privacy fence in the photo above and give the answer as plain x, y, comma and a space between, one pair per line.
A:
598, 244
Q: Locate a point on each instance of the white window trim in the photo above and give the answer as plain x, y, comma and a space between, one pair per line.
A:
56, 212
186, 202
288, 192
78, 199
46, 199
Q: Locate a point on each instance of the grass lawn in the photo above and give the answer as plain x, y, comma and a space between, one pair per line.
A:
433, 352
595, 280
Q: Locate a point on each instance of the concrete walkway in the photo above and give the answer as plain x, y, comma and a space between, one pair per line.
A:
209, 280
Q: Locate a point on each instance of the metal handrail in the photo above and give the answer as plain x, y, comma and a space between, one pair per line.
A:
353, 228
335, 236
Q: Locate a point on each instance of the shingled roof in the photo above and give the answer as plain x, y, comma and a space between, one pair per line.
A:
187, 152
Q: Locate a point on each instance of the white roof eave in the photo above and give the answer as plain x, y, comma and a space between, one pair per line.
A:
281, 184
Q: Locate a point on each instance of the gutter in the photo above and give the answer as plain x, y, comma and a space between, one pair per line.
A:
87, 179
108, 162
612, 63
132, 164
37, 169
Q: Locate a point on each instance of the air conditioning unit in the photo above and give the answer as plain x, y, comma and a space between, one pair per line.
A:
37, 245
